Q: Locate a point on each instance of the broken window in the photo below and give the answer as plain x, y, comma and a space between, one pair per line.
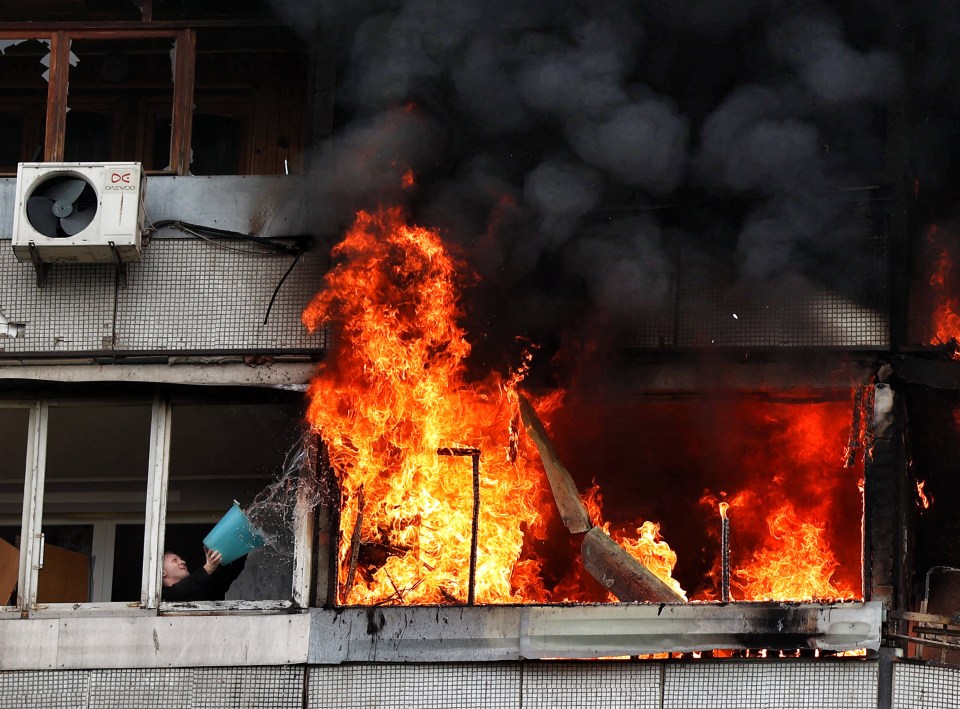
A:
226, 100
23, 100
116, 87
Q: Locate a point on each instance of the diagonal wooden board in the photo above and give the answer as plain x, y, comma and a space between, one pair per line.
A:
621, 574
603, 558
565, 493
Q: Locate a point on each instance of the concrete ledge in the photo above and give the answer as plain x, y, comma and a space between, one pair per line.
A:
430, 634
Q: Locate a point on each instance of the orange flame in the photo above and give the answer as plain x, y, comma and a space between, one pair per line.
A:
923, 500
398, 391
781, 547
724, 506
796, 564
642, 541
395, 394
945, 318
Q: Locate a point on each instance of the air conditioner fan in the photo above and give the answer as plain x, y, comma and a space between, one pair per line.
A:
62, 207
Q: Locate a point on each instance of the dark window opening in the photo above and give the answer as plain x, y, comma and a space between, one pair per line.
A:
91, 137
23, 101
115, 86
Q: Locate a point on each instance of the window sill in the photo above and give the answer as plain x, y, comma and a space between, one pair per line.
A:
229, 608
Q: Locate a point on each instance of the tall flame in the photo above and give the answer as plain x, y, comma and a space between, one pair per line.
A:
796, 564
781, 545
398, 392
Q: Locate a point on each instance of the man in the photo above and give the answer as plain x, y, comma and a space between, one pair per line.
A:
180, 585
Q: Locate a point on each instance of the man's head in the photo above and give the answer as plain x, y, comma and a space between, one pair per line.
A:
174, 568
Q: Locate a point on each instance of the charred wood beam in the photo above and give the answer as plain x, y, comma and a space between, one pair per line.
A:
621, 574
565, 493
854, 443
354, 547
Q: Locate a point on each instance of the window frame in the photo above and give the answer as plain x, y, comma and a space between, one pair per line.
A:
154, 524
185, 45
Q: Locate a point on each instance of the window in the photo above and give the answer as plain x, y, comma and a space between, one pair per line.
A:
93, 490
23, 100
14, 426
221, 453
95, 478
223, 100
114, 86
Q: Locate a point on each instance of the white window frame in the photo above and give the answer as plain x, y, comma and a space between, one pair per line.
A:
302, 543
154, 525
25, 558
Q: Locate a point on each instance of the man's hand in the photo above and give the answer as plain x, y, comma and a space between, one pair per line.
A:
213, 560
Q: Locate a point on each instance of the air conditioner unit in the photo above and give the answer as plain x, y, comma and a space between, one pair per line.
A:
78, 212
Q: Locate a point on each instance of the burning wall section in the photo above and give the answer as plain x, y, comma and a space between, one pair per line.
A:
398, 391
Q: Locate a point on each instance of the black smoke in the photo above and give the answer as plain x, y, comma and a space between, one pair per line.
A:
574, 151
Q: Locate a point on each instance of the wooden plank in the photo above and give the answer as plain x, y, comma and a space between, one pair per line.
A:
183, 84
80, 29
621, 574
58, 78
565, 493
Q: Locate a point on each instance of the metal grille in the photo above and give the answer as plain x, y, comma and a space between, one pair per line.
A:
779, 685
711, 310
185, 295
453, 686
141, 688
228, 687
721, 317
44, 689
594, 685
925, 687
731, 684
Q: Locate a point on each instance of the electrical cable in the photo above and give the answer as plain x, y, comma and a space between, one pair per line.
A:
277, 289
274, 246
210, 233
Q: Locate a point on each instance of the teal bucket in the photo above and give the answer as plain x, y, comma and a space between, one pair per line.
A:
233, 536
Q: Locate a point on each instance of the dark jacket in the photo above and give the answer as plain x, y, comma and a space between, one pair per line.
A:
201, 586
198, 586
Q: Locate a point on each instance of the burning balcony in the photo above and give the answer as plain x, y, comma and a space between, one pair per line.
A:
584, 495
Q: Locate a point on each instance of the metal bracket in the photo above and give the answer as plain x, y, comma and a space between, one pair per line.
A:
120, 264
39, 265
